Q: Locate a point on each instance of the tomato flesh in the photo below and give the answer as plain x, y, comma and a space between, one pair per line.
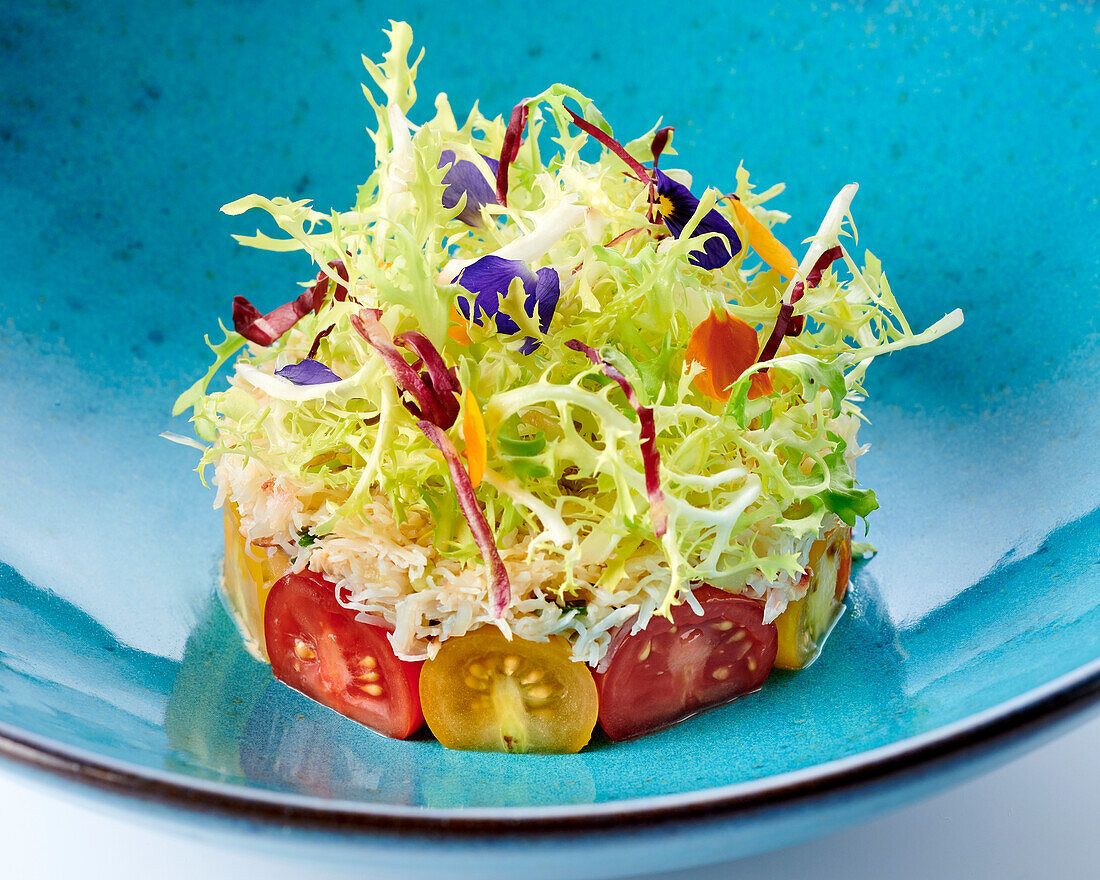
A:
318, 647
676, 668
485, 693
805, 624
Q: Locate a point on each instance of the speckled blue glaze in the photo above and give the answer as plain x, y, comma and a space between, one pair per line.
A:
972, 131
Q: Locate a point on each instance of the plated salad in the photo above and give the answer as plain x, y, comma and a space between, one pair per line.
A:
557, 436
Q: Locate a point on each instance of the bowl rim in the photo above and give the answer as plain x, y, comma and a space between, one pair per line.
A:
1016, 719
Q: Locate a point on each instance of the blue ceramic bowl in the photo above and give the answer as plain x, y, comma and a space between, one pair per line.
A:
973, 133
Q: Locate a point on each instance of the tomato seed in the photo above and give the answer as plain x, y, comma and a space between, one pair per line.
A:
542, 692
510, 663
737, 636
531, 677
721, 674
375, 690
369, 662
724, 625
474, 683
751, 664
644, 653
304, 650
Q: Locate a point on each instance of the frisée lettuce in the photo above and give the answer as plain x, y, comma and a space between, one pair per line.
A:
497, 303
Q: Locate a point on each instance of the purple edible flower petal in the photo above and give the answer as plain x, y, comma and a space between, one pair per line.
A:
466, 177
489, 278
544, 299
651, 460
676, 206
500, 588
308, 372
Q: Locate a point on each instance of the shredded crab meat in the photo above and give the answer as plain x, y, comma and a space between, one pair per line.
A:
390, 571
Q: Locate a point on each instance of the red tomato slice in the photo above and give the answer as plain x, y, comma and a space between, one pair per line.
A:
676, 668
318, 647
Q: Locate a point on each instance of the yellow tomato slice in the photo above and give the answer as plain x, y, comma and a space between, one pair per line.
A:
249, 574
484, 693
805, 624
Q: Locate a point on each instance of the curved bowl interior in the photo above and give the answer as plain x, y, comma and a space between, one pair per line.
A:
972, 133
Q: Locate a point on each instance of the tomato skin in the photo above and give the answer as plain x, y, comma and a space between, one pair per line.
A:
676, 668
485, 693
318, 647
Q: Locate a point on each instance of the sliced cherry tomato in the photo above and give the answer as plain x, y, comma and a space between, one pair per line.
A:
318, 647
484, 693
676, 668
805, 623
249, 573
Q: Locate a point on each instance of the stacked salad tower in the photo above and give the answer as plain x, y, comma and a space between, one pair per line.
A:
548, 440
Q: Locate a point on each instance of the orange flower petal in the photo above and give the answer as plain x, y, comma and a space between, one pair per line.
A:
457, 330
725, 346
760, 385
769, 248
473, 432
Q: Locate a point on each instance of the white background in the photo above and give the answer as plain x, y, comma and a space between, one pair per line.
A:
1038, 817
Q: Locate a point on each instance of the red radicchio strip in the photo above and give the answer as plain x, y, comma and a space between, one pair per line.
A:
651, 460
431, 403
440, 378
636, 167
500, 589
660, 141
786, 324
623, 236
265, 329
320, 287
618, 239
317, 341
509, 150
